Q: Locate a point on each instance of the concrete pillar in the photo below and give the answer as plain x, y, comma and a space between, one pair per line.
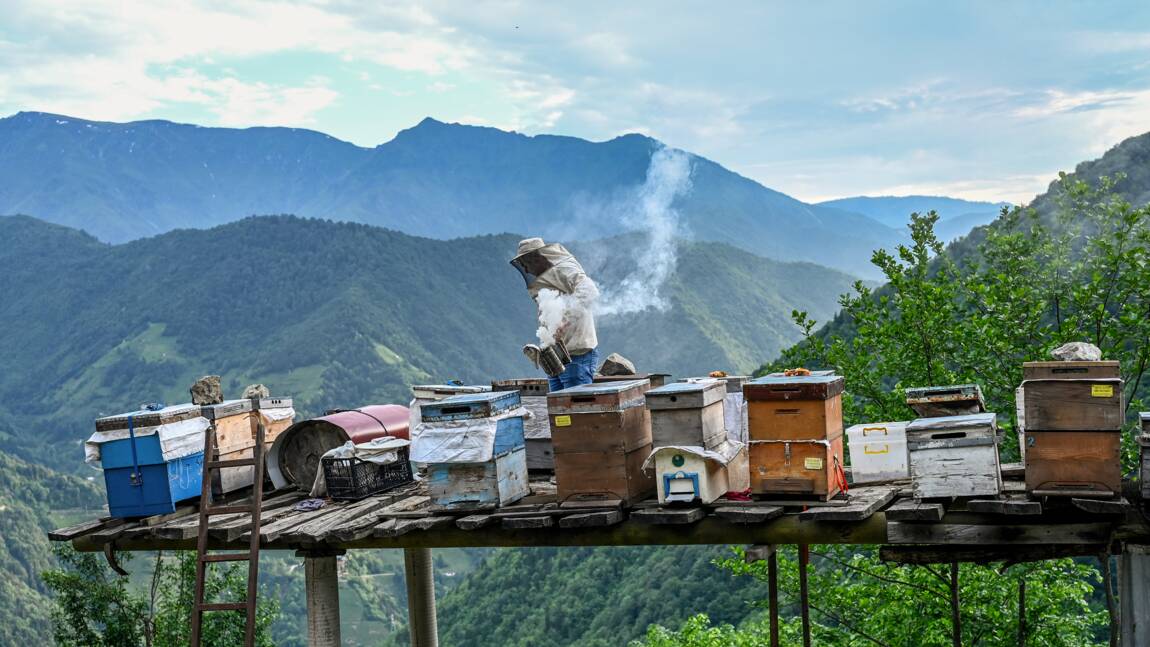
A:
322, 583
420, 578
1134, 595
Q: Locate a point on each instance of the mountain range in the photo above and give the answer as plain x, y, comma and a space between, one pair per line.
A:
956, 217
121, 182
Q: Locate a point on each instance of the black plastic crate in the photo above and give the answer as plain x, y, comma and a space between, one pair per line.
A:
351, 479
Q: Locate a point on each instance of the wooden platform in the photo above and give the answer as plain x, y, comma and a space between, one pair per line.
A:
877, 514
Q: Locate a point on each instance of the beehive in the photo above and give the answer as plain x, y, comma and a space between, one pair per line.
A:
473, 446
794, 408
954, 400
1073, 463
601, 434
798, 467
954, 456
235, 437
692, 474
689, 414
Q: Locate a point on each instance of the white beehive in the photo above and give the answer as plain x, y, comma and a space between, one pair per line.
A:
694, 474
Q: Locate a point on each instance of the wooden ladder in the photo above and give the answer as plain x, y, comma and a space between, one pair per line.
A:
212, 465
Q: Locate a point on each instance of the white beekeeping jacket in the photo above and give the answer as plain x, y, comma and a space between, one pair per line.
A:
567, 277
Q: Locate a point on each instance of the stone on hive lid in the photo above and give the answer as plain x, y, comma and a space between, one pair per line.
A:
257, 391
1077, 351
616, 364
207, 390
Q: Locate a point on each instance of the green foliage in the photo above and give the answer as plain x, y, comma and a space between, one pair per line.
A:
1028, 289
94, 607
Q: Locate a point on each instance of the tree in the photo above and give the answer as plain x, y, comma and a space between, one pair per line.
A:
93, 607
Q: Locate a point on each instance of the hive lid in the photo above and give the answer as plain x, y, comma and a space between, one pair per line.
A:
602, 388
470, 405
148, 418
1071, 369
954, 423
437, 391
527, 386
876, 431
234, 407
820, 385
679, 395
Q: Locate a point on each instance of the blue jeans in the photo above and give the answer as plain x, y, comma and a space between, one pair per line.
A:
581, 370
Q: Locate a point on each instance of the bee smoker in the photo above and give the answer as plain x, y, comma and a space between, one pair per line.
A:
554, 359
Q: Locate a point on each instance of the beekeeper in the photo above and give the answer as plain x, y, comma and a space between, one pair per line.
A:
551, 267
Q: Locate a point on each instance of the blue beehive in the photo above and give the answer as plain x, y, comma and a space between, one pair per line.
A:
481, 484
138, 480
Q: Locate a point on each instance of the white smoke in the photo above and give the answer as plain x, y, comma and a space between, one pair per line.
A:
552, 307
652, 213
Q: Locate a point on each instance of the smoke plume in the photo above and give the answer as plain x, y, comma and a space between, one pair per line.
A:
552, 306
653, 214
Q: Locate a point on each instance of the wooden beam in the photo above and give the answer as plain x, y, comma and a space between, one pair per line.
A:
985, 554
913, 510
419, 576
949, 533
749, 514
1134, 594
592, 519
321, 580
669, 516
862, 504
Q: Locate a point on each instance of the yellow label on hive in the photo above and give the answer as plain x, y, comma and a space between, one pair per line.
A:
813, 463
562, 421
1102, 390
874, 450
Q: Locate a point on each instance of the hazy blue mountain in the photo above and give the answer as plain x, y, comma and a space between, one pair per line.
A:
120, 182
956, 217
335, 314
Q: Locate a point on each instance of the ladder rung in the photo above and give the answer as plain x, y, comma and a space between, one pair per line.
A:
223, 606
227, 557
227, 509
230, 462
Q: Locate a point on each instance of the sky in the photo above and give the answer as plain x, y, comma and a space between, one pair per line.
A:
980, 100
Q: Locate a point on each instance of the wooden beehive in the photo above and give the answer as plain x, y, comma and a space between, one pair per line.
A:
939, 401
797, 467
235, 438
794, 408
1075, 370
537, 429
601, 434
685, 476
462, 484
148, 418
954, 456
1073, 404
1073, 463
688, 414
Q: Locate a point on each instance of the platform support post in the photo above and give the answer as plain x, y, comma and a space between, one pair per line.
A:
1134, 595
420, 578
321, 579
804, 593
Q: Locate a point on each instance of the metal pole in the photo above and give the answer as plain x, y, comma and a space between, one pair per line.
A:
955, 612
420, 579
1022, 611
322, 584
1134, 595
773, 596
804, 598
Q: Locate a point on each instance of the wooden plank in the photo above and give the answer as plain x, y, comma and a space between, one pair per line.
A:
317, 530
71, 532
474, 521
749, 514
664, 516
863, 503
392, 528
591, 519
520, 523
1115, 507
1013, 471
914, 510
613, 504
272, 531
942, 533
360, 528
1012, 505
986, 554
229, 528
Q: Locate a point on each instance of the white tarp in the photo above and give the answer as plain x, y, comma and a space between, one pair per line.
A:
381, 451
537, 426
277, 413
459, 441
735, 417
177, 439
722, 456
